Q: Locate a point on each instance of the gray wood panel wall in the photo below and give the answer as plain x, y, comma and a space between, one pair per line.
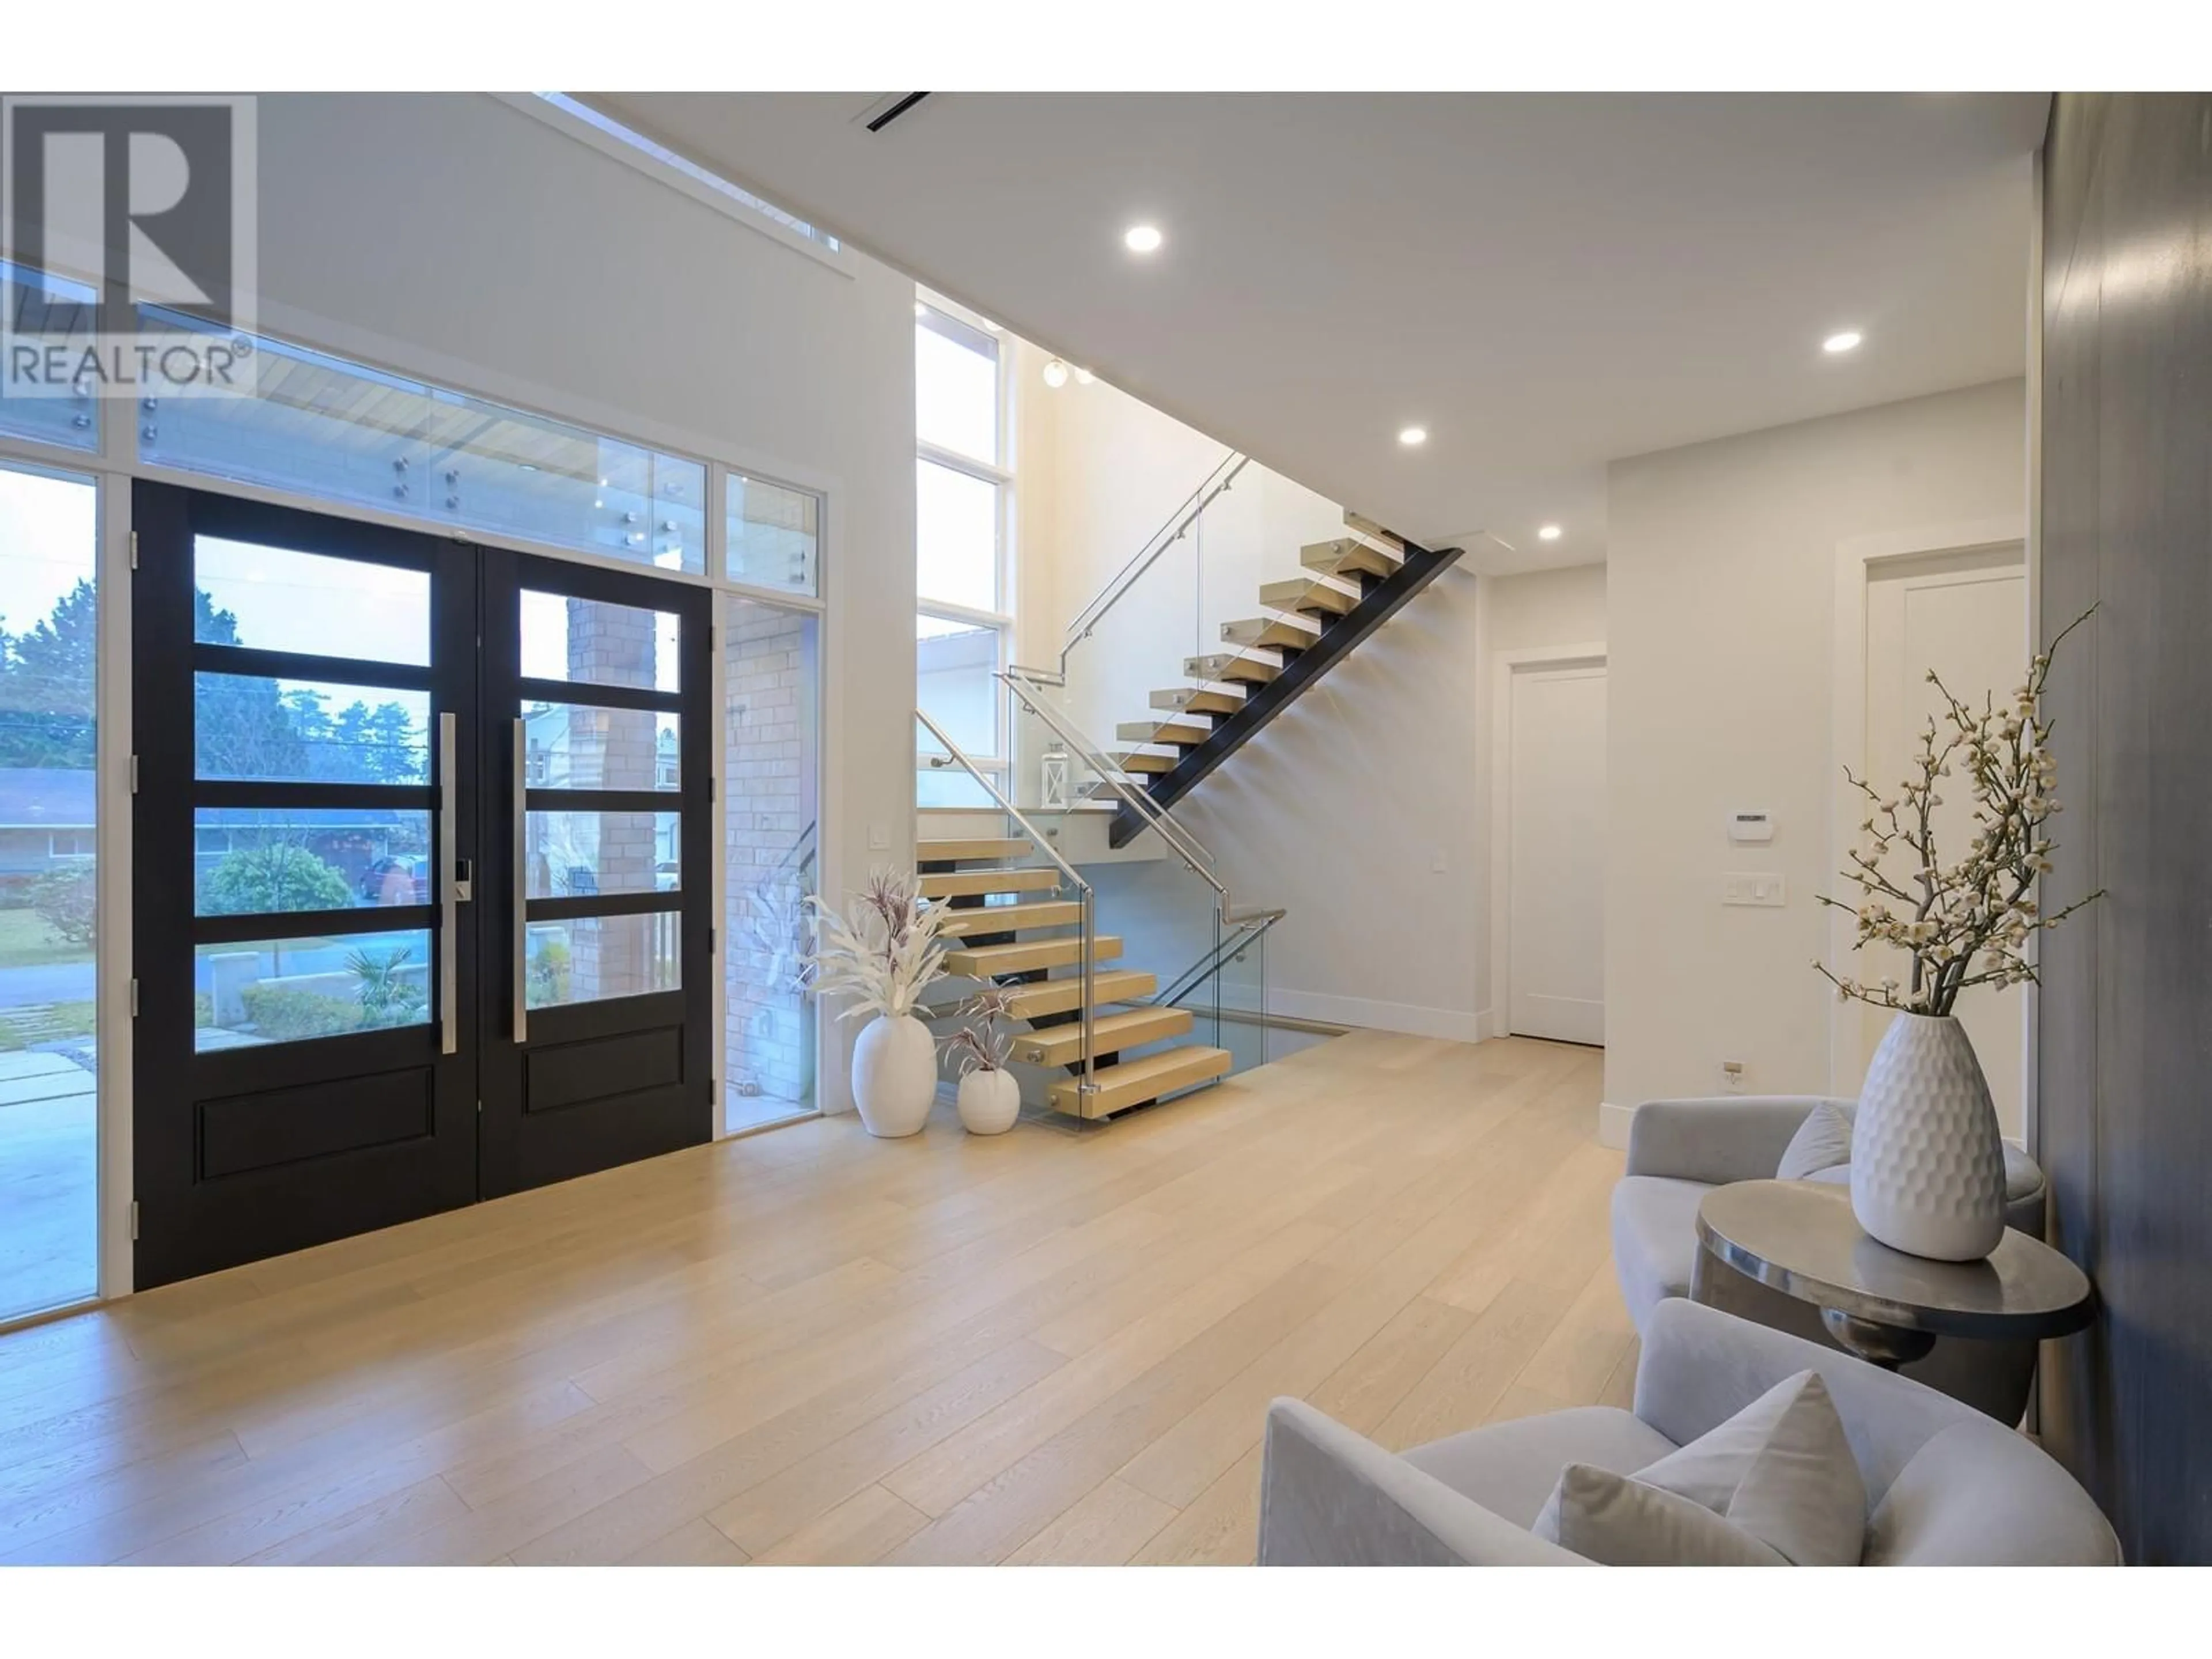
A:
2124, 1089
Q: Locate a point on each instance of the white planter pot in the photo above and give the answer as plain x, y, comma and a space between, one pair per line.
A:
989, 1102
1927, 1165
895, 1076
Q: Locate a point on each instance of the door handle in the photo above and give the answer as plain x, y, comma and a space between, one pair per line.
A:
520, 942
449, 892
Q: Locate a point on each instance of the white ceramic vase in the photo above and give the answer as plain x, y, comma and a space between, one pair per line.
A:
1927, 1165
989, 1102
895, 1076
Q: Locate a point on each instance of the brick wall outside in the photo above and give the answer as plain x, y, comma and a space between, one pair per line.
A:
771, 658
613, 852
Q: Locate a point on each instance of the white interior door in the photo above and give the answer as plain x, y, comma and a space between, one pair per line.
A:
1555, 936
1964, 615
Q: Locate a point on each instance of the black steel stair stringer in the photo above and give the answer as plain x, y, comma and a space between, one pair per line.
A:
1380, 599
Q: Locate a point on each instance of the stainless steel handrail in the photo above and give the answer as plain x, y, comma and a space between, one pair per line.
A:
1217, 484
1188, 846
1215, 958
1089, 964
520, 940
449, 886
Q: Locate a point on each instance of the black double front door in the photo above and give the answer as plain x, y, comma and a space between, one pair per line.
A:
420, 854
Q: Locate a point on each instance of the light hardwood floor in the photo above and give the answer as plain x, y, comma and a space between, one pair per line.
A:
810, 1347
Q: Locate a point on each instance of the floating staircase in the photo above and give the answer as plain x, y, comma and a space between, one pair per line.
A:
999, 931
1351, 586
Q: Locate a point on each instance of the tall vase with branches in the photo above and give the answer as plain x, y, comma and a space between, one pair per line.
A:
1927, 1163
880, 955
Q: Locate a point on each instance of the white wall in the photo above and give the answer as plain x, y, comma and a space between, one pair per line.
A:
1721, 582
455, 237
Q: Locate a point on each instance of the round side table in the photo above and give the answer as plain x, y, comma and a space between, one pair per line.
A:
1800, 1238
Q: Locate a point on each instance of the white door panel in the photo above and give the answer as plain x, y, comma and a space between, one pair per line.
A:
1556, 823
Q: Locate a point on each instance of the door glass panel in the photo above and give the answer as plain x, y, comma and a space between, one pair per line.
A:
775, 535
590, 958
288, 990
277, 599
595, 643
583, 854
49, 886
572, 745
247, 861
955, 537
248, 726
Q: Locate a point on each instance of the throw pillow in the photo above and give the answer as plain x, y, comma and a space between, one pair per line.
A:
1619, 1522
1822, 1141
1781, 1471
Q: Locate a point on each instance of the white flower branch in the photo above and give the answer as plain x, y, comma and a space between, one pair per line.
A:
1967, 923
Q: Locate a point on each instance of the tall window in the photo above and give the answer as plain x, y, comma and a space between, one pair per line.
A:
963, 500
49, 809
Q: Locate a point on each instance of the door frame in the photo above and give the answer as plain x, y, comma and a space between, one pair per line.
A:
1858, 562
1587, 654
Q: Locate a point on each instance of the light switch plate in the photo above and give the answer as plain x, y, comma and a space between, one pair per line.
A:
879, 838
1759, 888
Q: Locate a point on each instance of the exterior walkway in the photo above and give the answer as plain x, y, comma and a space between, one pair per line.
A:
49, 1190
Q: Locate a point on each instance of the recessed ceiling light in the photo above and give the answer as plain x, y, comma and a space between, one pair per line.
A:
1142, 239
1846, 340
1414, 436
1550, 532
1083, 377
1055, 374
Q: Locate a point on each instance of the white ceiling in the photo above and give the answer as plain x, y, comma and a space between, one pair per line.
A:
1545, 282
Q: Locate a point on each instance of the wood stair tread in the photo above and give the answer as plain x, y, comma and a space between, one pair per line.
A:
1235, 668
1192, 700
1182, 733
1309, 594
1062, 1045
1348, 554
974, 883
1132, 1083
1376, 532
1139, 762
1288, 631
957, 849
1011, 918
1026, 955
1065, 996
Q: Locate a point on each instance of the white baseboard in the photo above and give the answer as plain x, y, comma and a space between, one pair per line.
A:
1488, 1023
1414, 1021
1613, 1124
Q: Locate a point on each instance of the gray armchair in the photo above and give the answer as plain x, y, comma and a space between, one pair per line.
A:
1945, 1485
1681, 1150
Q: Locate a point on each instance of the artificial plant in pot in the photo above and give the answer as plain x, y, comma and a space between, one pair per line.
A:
990, 1098
1927, 1165
881, 954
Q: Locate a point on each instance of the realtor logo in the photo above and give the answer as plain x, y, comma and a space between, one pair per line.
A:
130, 246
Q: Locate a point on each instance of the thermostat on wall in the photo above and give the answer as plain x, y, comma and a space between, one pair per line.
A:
1751, 826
